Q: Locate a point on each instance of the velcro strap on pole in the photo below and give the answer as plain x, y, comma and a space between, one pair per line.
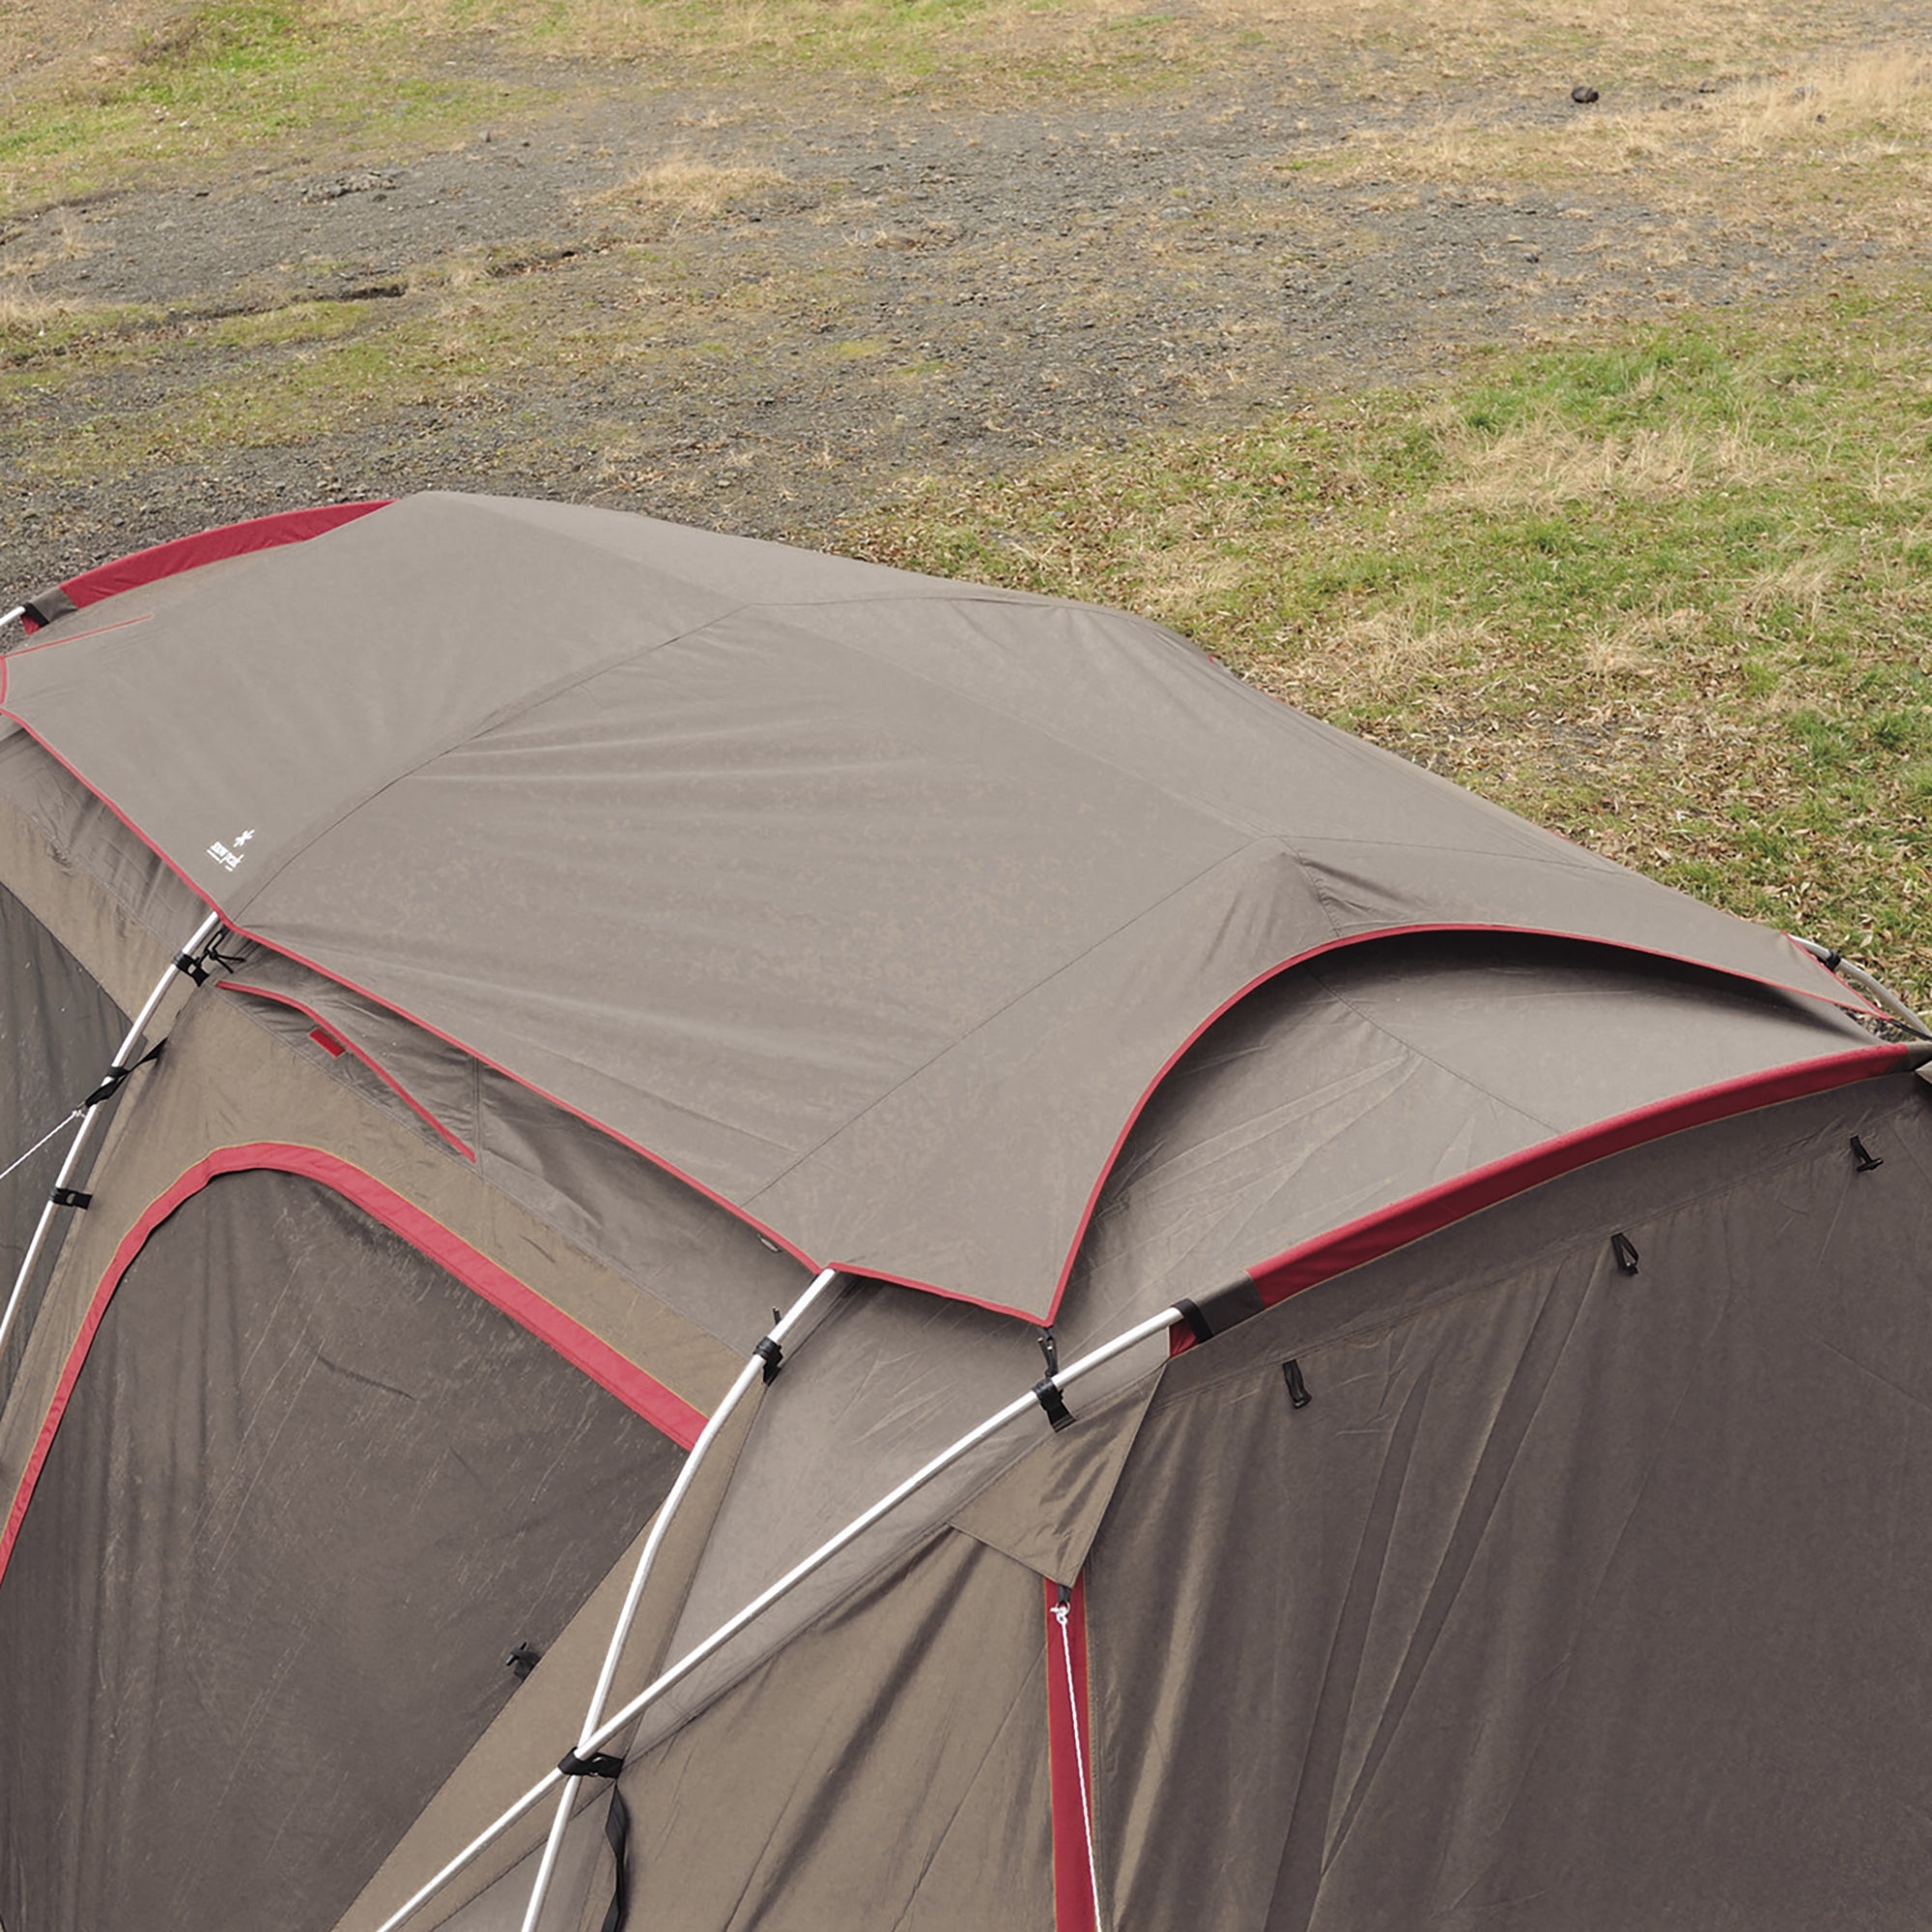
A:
110, 1085
1221, 1308
115, 1077
599, 1763
48, 606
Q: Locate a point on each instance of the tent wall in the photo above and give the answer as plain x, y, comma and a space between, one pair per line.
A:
308, 1494
57, 1031
888, 1768
1574, 1595
102, 894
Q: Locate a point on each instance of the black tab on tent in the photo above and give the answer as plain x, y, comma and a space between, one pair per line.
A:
1298, 1396
599, 1763
1625, 1250
1866, 1159
1047, 1394
523, 1660
618, 1835
71, 1197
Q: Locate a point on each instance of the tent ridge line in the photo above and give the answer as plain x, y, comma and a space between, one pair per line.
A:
1323, 1257
1364, 938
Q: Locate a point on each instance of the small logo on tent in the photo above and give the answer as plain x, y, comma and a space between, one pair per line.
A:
223, 855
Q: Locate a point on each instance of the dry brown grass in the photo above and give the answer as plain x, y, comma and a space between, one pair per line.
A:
1541, 463
1849, 112
42, 37
679, 192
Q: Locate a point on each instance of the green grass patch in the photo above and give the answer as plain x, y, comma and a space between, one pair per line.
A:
1668, 593
228, 75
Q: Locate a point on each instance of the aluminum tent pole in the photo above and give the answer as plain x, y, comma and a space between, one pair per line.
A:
18, 611
1836, 962
764, 1363
1042, 1395
89, 1109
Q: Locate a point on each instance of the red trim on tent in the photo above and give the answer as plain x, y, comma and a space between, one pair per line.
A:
643, 1152
1357, 939
190, 553
1074, 1906
1389, 1228
336, 1044
612, 1372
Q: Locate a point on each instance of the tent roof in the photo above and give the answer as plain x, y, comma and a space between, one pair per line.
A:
874, 905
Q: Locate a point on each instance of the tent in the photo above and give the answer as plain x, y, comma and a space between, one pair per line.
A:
704, 1237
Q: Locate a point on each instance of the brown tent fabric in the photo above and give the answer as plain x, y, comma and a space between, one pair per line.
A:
1573, 1596
630, 919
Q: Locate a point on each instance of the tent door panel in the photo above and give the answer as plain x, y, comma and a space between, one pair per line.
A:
308, 1493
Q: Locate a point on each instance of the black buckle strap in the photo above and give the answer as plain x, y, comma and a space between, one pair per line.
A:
599, 1763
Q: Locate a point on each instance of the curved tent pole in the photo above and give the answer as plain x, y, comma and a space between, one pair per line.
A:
1836, 962
187, 960
18, 611
1044, 1395
764, 1362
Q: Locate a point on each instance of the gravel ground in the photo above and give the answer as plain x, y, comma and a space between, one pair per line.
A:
902, 291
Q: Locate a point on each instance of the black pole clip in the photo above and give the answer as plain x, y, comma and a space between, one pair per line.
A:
523, 1660
1047, 1394
599, 1763
770, 1352
1625, 1250
185, 962
1298, 1389
1866, 1159
71, 1197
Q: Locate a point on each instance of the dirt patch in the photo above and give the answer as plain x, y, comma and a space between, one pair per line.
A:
760, 310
